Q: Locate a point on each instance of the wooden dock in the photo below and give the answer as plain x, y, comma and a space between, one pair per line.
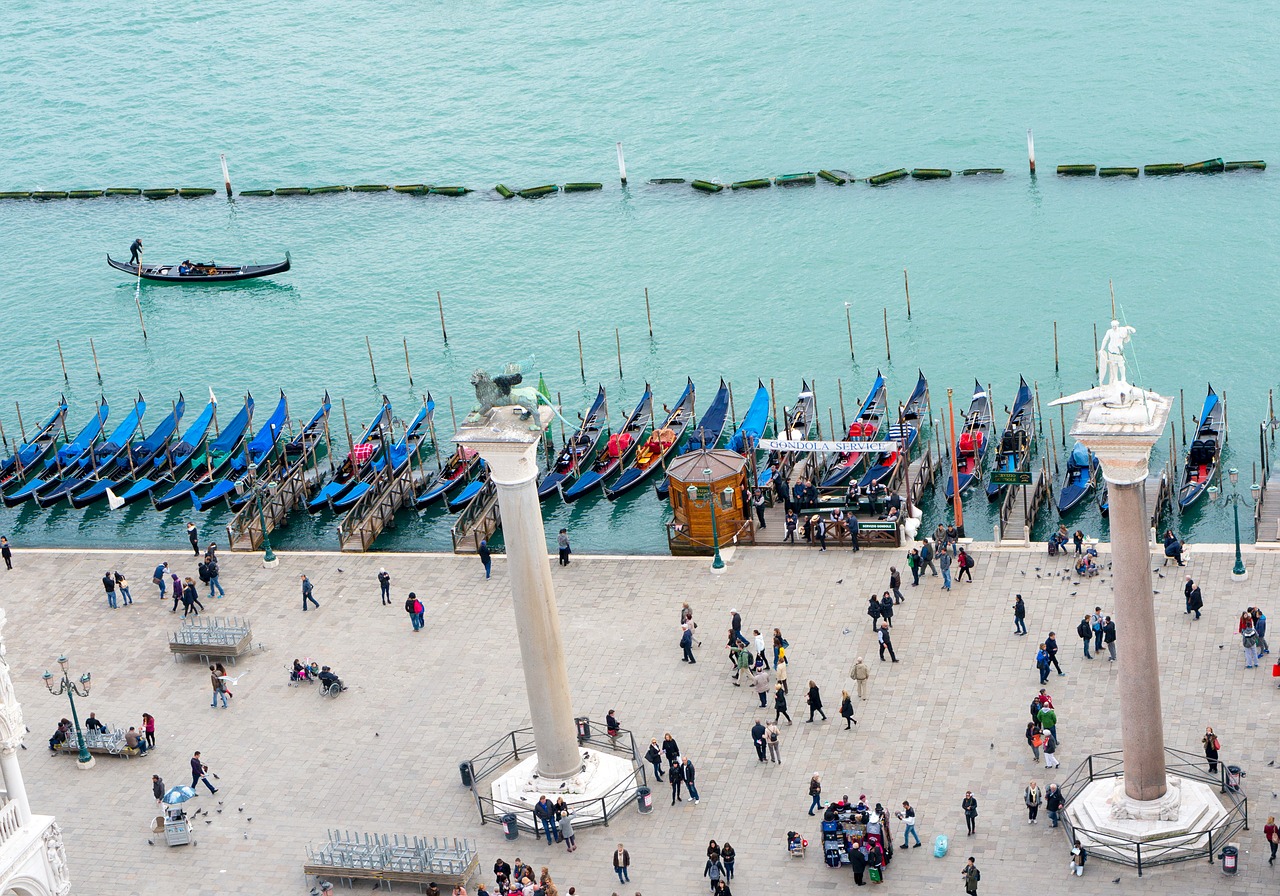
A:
287, 491
1021, 505
477, 521
376, 510
1266, 509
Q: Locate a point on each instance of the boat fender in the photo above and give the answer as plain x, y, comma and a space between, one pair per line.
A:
794, 180
124, 191
1208, 166
1117, 172
706, 186
449, 191
1163, 168
887, 177
582, 187
49, 194
969, 172
16, 194
1254, 164
832, 178
293, 191
86, 194
162, 193
535, 192
370, 188
667, 180
412, 189
930, 173
332, 189
1077, 170
193, 192
758, 184
257, 192
504, 191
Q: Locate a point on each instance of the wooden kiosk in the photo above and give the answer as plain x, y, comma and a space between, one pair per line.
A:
718, 508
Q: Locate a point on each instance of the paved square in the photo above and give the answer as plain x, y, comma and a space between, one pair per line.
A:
383, 756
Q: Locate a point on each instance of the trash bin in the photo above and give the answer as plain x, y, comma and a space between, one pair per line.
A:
584, 728
1234, 774
464, 769
509, 829
1230, 856
644, 800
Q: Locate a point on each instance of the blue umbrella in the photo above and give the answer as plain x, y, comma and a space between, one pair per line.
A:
179, 794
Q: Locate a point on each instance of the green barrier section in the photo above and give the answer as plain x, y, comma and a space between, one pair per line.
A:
257, 192
930, 173
1077, 170
333, 189
582, 187
969, 172
412, 189
1208, 166
832, 178
503, 191
535, 192
887, 177
667, 180
368, 188
86, 194
163, 193
293, 191
123, 191
1255, 164
795, 180
1163, 168
707, 186
448, 191
15, 194
1117, 172
757, 184
193, 192
49, 194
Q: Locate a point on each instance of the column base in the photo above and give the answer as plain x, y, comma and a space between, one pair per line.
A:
1116, 828
604, 784
1240, 576
85, 765
270, 564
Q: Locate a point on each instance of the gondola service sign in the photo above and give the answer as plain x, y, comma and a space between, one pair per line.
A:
840, 447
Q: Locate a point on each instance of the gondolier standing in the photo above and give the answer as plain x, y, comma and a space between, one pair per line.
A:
135, 252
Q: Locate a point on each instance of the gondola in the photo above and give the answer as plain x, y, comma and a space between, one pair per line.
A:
355, 463
201, 273
470, 490
1082, 472
34, 450
653, 453
170, 463
618, 450
64, 459
864, 428
906, 429
1016, 441
208, 464
798, 426
705, 435
1104, 502
581, 449
309, 438
134, 458
395, 459
98, 457
754, 427
1202, 459
971, 446
256, 449
458, 468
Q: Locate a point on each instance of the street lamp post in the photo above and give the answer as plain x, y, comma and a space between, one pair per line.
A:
72, 689
717, 564
259, 489
1238, 572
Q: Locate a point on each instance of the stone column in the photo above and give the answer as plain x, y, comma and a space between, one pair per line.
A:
510, 446
1121, 437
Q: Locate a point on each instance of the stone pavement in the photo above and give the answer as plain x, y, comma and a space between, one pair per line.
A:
383, 756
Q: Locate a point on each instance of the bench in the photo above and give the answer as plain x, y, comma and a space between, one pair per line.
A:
104, 743
210, 637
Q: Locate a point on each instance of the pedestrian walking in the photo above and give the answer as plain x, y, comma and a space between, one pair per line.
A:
1211, 747
690, 774
157, 788
1272, 833
177, 591
621, 858
780, 645
219, 689
215, 584
735, 629
762, 687
384, 586
926, 556
846, 710
686, 644
1019, 616
1248, 637
873, 610
944, 563
886, 608
860, 674
566, 832
675, 775
200, 772
908, 817
1033, 797
970, 806
761, 658
1078, 857
1051, 647
122, 586
486, 556
1195, 599
307, 594
1050, 748
895, 584
1085, 632
158, 577
686, 618
744, 662
714, 870
914, 563
1042, 663
971, 876
612, 726
964, 560
193, 536
414, 608
6, 552
772, 736
1260, 626
780, 703
780, 673
109, 583
1053, 802
562, 545
819, 531
653, 756
1109, 637
728, 855
190, 598
854, 526
886, 643
758, 741
1047, 716
149, 729
815, 793
1034, 740
815, 702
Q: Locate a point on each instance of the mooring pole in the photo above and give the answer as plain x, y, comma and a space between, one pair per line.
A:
888, 355
369, 347
95, 361
617, 338
408, 370
848, 322
65, 378
581, 367
440, 305
1031, 152
622, 164
647, 313
226, 176
906, 284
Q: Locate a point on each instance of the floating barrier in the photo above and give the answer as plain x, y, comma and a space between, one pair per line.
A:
1163, 168
193, 192
535, 192
930, 173
795, 180
582, 187
293, 191
707, 186
1077, 170
257, 192
367, 188
758, 184
1208, 166
832, 178
1255, 164
448, 191
16, 194
49, 194
332, 189
1117, 172
667, 180
86, 194
503, 191
124, 191
969, 172
163, 193
887, 177
412, 189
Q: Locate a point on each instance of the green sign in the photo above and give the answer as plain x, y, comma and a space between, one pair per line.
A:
877, 526
1011, 478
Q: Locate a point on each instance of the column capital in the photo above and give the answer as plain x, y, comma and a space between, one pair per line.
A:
507, 441
1120, 434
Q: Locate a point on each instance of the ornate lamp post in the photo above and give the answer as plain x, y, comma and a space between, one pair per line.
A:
72, 690
1238, 572
726, 502
260, 490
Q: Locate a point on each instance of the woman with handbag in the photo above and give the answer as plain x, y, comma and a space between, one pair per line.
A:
1211, 747
1272, 834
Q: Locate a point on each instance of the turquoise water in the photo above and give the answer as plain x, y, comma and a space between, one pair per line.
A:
743, 285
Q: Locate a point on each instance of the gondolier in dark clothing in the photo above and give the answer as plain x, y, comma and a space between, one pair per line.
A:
135, 252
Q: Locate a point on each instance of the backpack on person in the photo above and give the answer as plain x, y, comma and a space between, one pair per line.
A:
1082, 630
968, 561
